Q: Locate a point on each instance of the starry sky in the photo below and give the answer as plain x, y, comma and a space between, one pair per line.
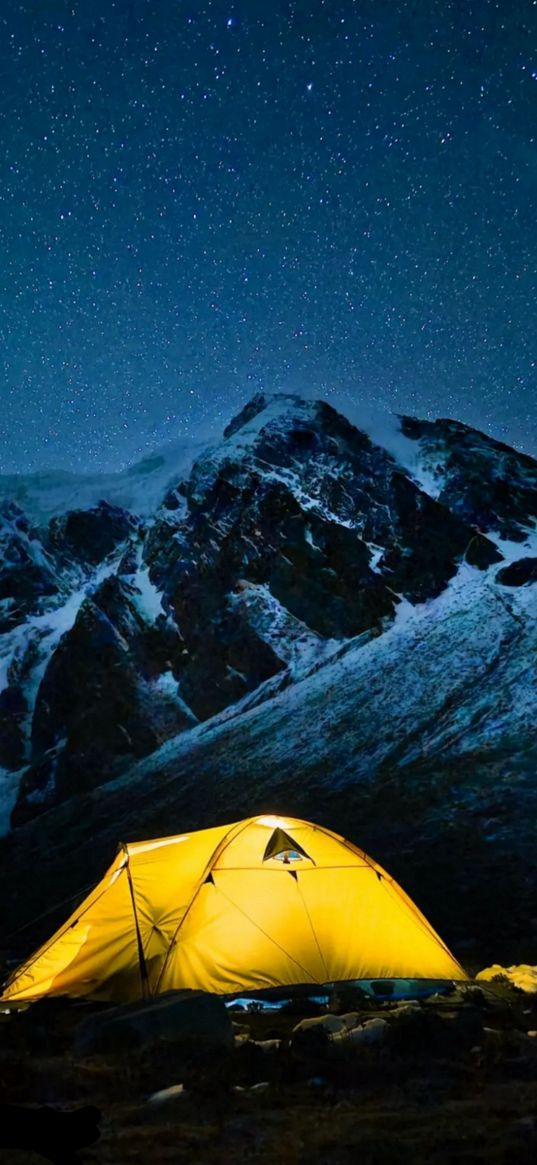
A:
200, 200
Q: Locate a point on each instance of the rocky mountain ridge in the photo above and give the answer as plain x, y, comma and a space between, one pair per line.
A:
295, 528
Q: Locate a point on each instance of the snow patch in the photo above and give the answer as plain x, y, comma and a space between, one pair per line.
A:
513, 551
384, 429
149, 600
376, 553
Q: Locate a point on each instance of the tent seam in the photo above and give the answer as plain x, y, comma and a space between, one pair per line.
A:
218, 850
265, 933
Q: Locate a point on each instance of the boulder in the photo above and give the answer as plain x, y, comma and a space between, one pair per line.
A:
268, 1046
347, 997
167, 1096
362, 1035
414, 1031
519, 573
329, 1024
250, 1089
336, 1032
406, 1008
192, 1018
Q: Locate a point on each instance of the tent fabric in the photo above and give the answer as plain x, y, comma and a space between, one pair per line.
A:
264, 902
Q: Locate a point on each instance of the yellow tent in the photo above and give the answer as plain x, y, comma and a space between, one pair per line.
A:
266, 902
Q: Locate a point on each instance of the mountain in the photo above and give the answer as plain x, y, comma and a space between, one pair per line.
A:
140, 488
308, 623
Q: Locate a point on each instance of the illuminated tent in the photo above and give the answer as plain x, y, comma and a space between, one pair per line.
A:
265, 902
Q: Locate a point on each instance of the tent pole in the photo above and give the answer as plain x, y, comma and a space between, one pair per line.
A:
144, 977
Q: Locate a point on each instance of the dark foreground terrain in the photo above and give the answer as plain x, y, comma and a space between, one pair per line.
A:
450, 1080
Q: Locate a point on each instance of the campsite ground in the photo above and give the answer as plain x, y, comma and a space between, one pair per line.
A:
455, 1084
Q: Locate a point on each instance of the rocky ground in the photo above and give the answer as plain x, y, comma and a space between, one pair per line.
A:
448, 1080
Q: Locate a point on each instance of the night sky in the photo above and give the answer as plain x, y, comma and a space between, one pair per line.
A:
201, 200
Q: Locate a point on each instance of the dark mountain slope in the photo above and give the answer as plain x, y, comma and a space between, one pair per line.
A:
483, 481
419, 745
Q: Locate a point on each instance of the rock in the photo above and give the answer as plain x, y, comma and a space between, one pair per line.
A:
174, 1092
91, 535
335, 1032
351, 1019
417, 1031
484, 481
239, 1029
381, 989
407, 1008
261, 1086
526, 1125
13, 714
25, 582
251, 410
459, 993
329, 1024
346, 997
193, 1018
479, 552
333, 1035
28, 574
47, 1132
39, 1027
100, 704
493, 1036
312, 1037
430, 542
373, 1031
519, 573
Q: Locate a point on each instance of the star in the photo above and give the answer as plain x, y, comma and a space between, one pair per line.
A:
195, 207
